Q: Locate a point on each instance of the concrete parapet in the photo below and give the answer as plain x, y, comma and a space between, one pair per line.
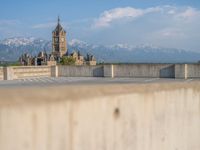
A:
54, 71
158, 116
31, 71
181, 71
193, 70
108, 71
1, 73
140, 70
81, 71
8, 73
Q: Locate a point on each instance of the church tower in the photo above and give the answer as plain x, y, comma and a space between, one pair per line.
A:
59, 41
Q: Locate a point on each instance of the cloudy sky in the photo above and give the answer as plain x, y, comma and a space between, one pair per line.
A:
172, 23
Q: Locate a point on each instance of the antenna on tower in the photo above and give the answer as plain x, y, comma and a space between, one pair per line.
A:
58, 19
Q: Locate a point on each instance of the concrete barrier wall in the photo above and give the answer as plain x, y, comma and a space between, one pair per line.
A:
81, 71
144, 70
140, 117
1, 73
33, 71
108, 71
182, 71
193, 70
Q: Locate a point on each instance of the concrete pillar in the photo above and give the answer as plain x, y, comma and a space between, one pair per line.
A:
108, 71
112, 71
8, 73
54, 71
181, 71
186, 71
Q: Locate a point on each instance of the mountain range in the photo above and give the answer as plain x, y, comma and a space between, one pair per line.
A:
12, 48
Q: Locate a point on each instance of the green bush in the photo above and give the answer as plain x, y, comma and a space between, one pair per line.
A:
67, 60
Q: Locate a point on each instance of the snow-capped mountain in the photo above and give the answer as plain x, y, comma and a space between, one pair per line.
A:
145, 53
21, 41
17, 41
12, 48
79, 43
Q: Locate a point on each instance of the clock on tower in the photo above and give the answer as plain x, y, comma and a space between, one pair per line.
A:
59, 42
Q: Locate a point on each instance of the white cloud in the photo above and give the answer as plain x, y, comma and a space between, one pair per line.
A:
172, 33
107, 17
171, 12
167, 26
188, 13
9, 22
44, 25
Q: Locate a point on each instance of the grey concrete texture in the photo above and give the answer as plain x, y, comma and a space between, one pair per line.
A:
1, 73
31, 71
108, 71
145, 70
180, 71
183, 71
158, 116
57, 81
81, 71
193, 70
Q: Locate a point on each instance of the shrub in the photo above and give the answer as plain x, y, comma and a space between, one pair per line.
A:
67, 60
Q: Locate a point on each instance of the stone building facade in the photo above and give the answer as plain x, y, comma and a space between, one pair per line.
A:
59, 50
59, 41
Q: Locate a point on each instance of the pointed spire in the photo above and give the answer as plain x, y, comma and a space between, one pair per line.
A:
58, 20
59, 27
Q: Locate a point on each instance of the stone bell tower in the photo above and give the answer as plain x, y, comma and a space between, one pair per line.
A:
59, 41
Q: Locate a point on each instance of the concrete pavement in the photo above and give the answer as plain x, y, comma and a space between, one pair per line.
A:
51, 81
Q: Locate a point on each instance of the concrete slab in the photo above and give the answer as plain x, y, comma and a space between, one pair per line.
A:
52, 81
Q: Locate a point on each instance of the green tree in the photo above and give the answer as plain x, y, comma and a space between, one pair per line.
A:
67, 60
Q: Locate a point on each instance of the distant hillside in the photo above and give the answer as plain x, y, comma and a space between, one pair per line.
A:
12, 48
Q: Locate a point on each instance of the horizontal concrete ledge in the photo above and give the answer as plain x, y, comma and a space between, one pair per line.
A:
83, 92
159, 116
182, 71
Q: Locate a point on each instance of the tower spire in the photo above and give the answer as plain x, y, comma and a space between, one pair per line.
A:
58, 20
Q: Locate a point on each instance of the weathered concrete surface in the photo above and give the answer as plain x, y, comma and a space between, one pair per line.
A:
1, 73
193, 70
144, 70
81, 71
164, 116
31, 71
181, 71
54, 71
8, 73
108, 71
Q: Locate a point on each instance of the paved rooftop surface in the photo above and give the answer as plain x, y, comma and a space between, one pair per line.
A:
51, 81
